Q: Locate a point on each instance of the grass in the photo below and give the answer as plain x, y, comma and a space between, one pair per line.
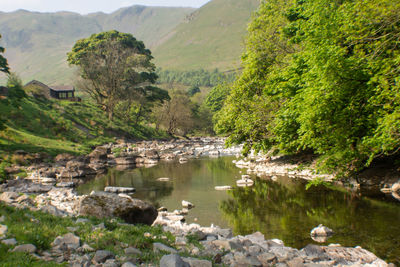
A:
54, 127
40, 229
213, 37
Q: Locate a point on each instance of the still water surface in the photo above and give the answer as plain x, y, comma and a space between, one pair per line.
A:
281, 209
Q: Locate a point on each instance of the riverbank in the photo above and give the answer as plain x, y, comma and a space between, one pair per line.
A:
381, 178
209, 245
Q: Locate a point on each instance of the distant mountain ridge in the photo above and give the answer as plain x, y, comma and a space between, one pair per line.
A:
36, 43
181, 38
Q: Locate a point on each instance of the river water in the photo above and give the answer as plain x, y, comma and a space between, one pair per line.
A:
281, 209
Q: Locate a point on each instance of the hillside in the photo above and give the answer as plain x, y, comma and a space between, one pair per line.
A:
211, 37
36, 43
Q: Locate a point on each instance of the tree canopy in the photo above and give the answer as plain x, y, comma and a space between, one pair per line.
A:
116, 67
3, 61
320, 76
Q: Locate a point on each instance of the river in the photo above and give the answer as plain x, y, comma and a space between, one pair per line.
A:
281, 208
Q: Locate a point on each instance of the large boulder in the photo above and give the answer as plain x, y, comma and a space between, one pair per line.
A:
102, 204
77, 168
100, 153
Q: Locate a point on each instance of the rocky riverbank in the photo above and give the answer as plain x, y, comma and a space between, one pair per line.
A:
374, 180
47, 189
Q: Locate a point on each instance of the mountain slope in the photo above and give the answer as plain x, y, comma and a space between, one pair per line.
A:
211, 37
36, 43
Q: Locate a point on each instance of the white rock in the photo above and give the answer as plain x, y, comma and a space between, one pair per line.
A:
163, 179
321, 230
223, 187
187, 204
116, 190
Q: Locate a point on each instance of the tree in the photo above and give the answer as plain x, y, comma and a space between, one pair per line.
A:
320, 76
176, 115
193, 90
3, 61
114, 66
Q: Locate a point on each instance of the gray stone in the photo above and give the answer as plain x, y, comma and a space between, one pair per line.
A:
102, 255
315, 251
225, 233
9, 242
172, 260
197, 263
70, 240
2, 218
8, 197
52, 210
157, 247
187, 204
101, 204
266, 258
3, 230
128, 264
296, 262
65, 184
111, 263
29, 248
321, 230
117, 190
132, 251
82, 220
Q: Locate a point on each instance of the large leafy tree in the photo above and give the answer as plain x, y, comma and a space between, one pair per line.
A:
322, 76
3, 61
115, 67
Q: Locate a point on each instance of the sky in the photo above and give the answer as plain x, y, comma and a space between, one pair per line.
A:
89, 6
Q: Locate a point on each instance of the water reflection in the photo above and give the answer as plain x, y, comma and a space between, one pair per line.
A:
287, 211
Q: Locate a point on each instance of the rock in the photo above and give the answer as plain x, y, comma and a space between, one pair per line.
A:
65, 184
100, 153
162, 209
163, 179
25, 186
157, 247
152, 154
87, 248
101, 204
244, 182
126, 160
102, 255
172, 260
110, 263
223, 187
187, 204
132, 251
183, 160
9, 242
29, 248
321, 230
315, 252
64, 157
128, 264
197, 263
82, 220
26, 200
117, 190
52, 210
8, 197
3, 230
70, 240
2, 218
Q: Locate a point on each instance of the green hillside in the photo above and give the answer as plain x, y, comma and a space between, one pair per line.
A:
211, 37
36, 43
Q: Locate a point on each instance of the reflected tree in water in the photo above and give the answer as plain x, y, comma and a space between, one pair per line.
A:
287, 211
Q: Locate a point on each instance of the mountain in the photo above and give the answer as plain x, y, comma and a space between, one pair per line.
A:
211, 37
181, 38
36, 43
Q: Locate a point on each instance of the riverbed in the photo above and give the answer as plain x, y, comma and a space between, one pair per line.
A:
280, 207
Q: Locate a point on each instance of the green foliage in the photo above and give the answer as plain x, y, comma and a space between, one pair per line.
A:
217, 96
319, 76
116, 67
3, 61
195, 78
15, 88
193, 90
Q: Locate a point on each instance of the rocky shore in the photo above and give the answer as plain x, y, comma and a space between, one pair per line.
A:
49, 188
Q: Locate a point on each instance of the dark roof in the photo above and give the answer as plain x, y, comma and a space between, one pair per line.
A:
62, 88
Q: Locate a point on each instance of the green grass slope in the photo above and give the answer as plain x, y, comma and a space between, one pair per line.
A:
36, 43
211, 37
51, 126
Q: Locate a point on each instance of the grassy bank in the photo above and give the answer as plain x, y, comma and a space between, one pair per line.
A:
52, 126
40, 229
